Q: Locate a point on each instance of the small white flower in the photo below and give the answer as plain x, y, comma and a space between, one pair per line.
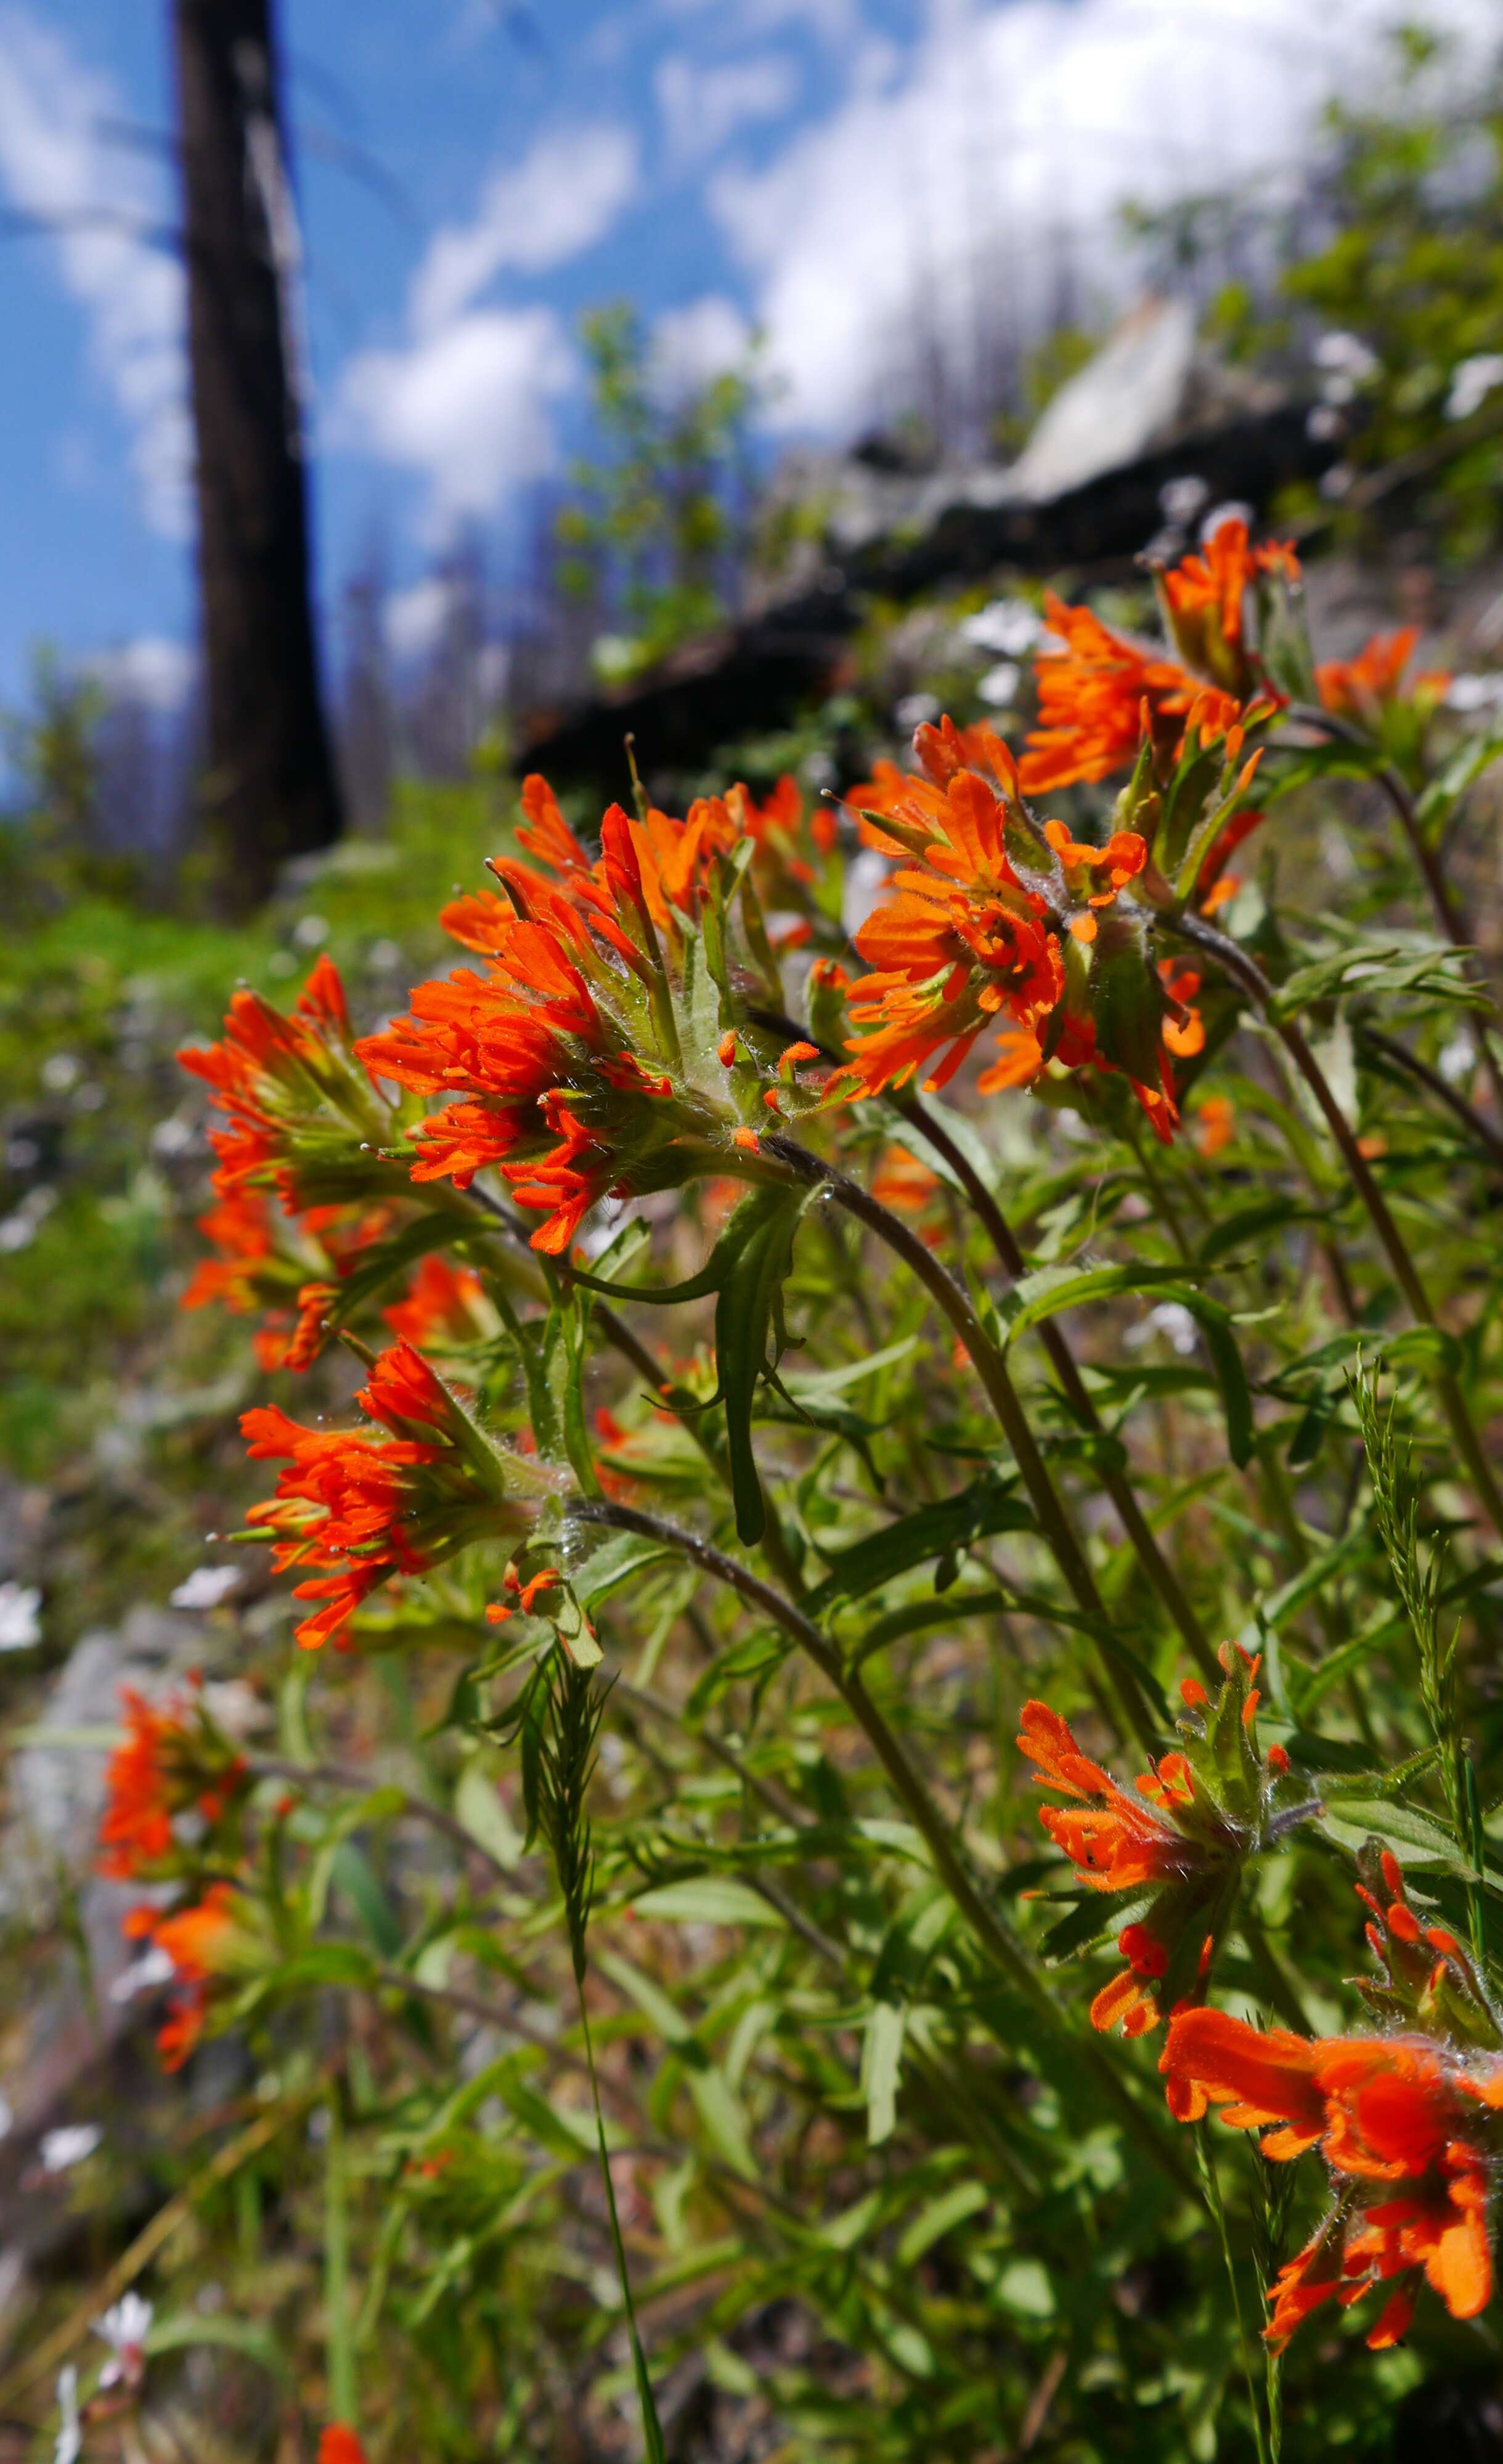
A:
173, 1137
61, 2150
1471, 382
1181, 499
1345, 355
61, 1070
205, 1586
1172, 1319
916, 710
19, 1228
1457, 1060
1469, 694
1325, 424
20, 1623
70, 2434
153, 1967
1338, 480
1009, 626
125, 2329
385, 956
310, 931
90, 1097
999, 684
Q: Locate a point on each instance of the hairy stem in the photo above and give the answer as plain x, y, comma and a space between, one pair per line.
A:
994, 1936
1245, 971
1135, 1523
1003, 1395
1444, 905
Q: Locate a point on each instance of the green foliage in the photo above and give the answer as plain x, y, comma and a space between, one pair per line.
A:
658, 526
1412, 189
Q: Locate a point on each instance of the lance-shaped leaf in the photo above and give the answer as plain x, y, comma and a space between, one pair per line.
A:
746, 1272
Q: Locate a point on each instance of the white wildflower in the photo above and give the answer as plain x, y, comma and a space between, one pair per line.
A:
1469, 694
125, 2329
1009, 626
205, 1586
63, 2149
152, 1969
999, 684
70, 2431
20, 1620
1181, 499
916, 710
1471, 380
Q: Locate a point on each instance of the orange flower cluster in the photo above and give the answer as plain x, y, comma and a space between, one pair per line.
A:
299, 1113
444, 1307
1359, 688
202, 1943
171, 1760
340, 2446
254, 1269
996, 919
1405, 2122
358, 1509
1100, 693
1176, 1845
565, 1061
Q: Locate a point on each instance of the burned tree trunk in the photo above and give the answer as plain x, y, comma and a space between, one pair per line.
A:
271, 790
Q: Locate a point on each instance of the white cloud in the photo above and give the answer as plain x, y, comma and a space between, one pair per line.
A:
153, 670
559, 200
469, 408
54, 165
412, 620
701, 107
700, 341
886, 233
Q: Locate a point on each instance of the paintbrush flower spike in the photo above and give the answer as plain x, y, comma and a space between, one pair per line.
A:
1173, 1848
355, 1510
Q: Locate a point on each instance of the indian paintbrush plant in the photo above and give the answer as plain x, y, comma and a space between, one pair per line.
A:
807, 1341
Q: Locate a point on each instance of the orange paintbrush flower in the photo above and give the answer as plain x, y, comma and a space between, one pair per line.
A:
565, 1063
1408, 2124
1359, 688
340, 2446
358, 1510
301, 1118
995, 920
1384, 2112
202, 1941
444, 1306
172, 1761
1095, 695
1174, 1845
1100, 693
290, 1272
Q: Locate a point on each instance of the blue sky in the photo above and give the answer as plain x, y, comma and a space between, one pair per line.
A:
835, 171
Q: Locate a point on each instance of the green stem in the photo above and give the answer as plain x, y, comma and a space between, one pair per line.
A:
1245, 971
1135, 1523
995, 1937
337, 2325
1213, 2200
1003, 1395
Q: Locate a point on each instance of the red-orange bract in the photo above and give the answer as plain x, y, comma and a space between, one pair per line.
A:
170, 1761
1401, 2121
561, 1061
365, 1509
999, 921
